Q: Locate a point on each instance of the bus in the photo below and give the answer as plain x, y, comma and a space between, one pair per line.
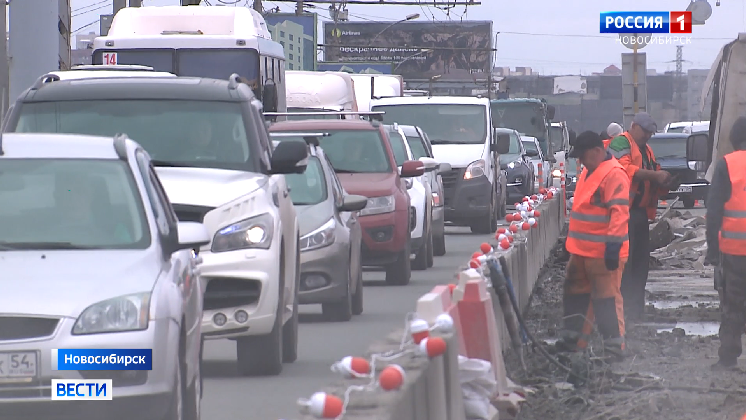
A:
529, 116
199, 41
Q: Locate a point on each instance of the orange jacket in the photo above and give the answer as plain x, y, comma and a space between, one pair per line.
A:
632, 162
606, 143
600, 211
733, 232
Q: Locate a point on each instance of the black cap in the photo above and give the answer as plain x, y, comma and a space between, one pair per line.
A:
585, 141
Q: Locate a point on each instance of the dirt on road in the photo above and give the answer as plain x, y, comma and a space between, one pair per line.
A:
667, 375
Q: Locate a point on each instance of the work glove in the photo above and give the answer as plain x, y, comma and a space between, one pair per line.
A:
712, 258
611, 255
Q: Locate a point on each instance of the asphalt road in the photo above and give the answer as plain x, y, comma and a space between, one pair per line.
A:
229, 396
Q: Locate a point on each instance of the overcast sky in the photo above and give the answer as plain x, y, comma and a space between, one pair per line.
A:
550, 36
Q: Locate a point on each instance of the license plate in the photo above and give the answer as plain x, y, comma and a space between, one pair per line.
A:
17, 365
683, 189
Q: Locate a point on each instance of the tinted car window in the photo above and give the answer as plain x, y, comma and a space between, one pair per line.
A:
87, 203
674, 148
417, 147
192, 133
397, 145
353, 151
556, 134
309, 187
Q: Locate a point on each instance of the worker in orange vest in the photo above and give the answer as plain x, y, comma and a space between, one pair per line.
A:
598, 246
647, 184
726, 244
613, 130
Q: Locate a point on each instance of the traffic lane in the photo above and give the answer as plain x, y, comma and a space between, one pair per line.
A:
230, 396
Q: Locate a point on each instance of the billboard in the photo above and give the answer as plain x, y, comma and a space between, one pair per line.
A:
357, 68
297, 34
455, 51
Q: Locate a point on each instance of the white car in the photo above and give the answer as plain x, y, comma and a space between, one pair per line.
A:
93, 257
420, 196
559, 135
541, 166
212, 151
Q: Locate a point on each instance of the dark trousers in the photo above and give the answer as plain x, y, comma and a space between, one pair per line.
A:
635, 275
732, 311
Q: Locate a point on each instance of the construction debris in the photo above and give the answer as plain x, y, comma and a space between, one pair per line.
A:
678, 241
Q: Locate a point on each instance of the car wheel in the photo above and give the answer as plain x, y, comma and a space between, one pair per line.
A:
400, 272
420, 259
489, 223
357, 297
439, 244
430, 250
176, 408
340, 311
261, 355
688, 202
290, 330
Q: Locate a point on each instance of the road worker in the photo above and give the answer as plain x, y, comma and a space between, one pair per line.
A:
598, 247
726, 244
647, 184
613, 130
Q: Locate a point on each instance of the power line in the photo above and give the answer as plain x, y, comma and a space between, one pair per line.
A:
594, 36
87, 25
91, 10
90, 5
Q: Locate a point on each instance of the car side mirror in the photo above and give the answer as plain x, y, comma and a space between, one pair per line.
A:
191, 235
697, 147
430, 163
353, 203
550, 112
289, 157
501, 145
412, 168
269, 96
572, 137
444, 167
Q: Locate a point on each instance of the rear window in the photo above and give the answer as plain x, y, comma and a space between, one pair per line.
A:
204, 134
353, 151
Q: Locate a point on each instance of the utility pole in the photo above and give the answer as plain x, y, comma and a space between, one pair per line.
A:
4, 68
299, 8
135, 3
258, 6
678, 82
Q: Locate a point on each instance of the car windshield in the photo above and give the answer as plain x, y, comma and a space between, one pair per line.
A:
70, 204
672, 148
525, 117
572, 167
444, 123
417, 146
556, 135
353, 151
198, 62
309, 187
398, 147
203, 134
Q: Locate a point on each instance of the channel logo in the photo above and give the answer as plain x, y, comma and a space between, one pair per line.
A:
646, 23
81, 389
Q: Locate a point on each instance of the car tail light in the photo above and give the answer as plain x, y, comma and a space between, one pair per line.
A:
436, 199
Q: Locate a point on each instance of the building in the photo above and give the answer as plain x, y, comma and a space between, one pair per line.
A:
82, 53
293, 40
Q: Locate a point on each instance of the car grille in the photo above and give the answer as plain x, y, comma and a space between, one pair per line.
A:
187, 213
31, 390
228, 293
450, 180
21, 328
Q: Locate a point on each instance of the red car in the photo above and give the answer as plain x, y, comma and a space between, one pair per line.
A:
360, 154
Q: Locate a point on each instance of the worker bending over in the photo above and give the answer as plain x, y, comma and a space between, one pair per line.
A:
647, 184
598, 246
726, 244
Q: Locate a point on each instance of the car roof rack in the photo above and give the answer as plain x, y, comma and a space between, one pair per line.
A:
117, 67
372, 115
311, 139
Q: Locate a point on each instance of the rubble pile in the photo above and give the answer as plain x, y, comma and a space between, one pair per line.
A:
677, 241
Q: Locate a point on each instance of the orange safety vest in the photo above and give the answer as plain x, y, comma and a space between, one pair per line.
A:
590, 220
607, 142
649, 199
733, 232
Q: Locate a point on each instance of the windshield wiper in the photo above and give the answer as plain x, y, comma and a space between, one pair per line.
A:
345, 171
167, 164
436, 141
41, 245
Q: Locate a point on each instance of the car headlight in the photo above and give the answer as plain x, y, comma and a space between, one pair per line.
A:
255, 232
379, 205
475, 169
319, 238
513, 164
557, 173
124, 313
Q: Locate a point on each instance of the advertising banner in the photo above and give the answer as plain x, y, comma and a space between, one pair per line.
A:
357, 68
297, 34
455, 51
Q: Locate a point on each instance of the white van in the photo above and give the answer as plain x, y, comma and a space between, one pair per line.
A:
371, 86
460, 130
315, 91
690, 126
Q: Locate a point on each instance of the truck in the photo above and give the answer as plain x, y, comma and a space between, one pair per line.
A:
319, 92
529, 116
372, 86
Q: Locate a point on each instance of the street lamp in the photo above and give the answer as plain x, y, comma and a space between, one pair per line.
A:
409, 17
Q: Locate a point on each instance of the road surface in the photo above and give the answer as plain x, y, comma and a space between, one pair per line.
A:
230, 396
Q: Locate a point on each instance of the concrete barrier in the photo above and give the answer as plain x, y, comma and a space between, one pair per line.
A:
431, 388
